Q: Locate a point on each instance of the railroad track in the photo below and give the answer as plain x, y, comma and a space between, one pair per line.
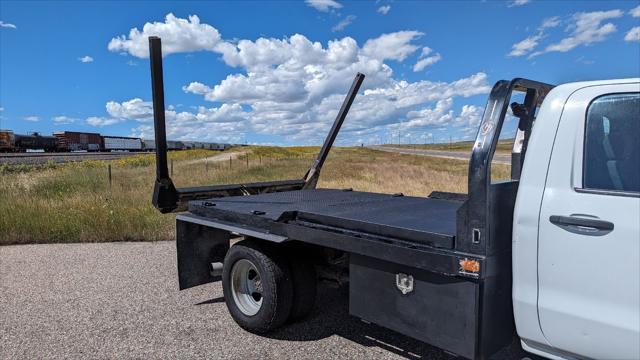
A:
41, 158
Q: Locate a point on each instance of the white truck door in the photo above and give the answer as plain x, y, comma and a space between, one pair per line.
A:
589, 227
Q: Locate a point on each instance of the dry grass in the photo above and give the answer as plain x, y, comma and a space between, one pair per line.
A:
504, 146
74, 202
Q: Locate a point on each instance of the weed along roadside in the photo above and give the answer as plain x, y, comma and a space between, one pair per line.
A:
76, 202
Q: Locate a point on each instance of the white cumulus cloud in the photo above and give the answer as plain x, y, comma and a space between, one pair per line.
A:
85, 59
469, 117
343, 23
197, 88
517, 3
63, 120
635, 12
384, 9
7, 25
134, 109
586, 29
31, 118
438, 115
527, 45
392, 46
424, 60
324, 5
633, 34
102, 121
178, 35
292, 88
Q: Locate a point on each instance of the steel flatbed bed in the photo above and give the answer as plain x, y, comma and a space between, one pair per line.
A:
437, 268
423, 221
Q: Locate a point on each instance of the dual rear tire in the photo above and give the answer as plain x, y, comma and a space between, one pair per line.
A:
263, 288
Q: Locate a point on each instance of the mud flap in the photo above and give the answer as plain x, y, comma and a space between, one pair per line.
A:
198, 246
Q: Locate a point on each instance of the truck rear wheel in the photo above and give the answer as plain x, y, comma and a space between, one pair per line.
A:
257, 287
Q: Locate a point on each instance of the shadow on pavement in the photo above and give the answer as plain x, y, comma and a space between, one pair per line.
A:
331, 317
212, 301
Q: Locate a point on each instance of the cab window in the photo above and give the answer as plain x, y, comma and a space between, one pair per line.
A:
612, 143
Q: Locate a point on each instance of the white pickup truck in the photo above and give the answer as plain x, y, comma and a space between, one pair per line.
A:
551, 255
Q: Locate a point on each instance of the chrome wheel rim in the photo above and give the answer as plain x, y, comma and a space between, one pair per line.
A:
246, 287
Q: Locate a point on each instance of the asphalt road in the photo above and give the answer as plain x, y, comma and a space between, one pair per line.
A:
43, 158
120, 300
498, 158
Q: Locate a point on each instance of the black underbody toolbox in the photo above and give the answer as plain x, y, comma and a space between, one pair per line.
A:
439, 310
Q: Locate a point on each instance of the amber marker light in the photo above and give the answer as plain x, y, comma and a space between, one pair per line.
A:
469, 266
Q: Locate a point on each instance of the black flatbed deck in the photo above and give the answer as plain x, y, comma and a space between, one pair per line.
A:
426, 221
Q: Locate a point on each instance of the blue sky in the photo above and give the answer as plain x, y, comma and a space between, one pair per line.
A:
276, 72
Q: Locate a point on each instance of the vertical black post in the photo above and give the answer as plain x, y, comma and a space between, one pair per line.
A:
312, 176
165, 196
109, 171
157, 89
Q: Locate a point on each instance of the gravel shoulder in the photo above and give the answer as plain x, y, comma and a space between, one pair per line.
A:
217, 158
120, 300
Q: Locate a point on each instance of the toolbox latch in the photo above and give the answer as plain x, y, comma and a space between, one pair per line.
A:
404, 283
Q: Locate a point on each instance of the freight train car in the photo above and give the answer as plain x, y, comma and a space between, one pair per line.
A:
78, 141
175, 145
194, 145
148, 145
34, 141
120, 143
218, 146
7, 141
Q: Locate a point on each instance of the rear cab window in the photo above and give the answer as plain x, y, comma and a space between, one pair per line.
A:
611, 159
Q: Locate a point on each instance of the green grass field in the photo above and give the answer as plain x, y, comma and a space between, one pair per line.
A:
74, 202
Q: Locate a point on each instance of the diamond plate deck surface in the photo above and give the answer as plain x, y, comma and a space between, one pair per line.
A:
412, 218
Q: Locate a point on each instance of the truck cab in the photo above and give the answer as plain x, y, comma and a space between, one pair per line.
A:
576, 225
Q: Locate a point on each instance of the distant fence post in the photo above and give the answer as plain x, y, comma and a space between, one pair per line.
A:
171, 167
230, 159
260, 159
109, 171
247, 161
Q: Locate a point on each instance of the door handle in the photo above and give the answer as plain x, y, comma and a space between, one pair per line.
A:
581, 223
